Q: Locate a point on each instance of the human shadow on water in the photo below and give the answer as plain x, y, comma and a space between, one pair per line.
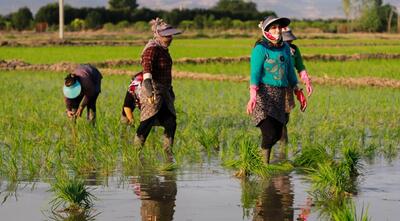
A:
157, 193
276, 200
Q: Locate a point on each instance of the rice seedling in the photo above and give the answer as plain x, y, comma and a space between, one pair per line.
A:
348, 212
342, 209
208, 138
251, 162
86, 215
331, 181
311, 156
71, 194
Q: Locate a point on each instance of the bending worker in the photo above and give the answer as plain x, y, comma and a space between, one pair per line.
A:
81, 89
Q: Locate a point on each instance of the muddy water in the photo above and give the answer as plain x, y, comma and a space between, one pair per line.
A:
209, 193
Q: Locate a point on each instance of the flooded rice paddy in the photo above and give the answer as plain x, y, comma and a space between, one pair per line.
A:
37, 145
208, 192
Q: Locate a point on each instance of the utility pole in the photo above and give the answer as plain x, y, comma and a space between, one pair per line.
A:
61, 19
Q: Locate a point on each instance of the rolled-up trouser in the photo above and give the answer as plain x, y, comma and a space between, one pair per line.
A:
271, 131
164, 118
91, 108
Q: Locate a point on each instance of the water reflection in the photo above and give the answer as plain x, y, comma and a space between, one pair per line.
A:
86, 215
157, 194
276, 200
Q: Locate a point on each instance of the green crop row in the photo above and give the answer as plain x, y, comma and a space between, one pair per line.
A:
180, 48
363, 68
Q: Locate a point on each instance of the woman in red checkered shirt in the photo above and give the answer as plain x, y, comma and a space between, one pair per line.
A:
157, 97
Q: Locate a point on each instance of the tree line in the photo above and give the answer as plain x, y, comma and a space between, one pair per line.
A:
361, 15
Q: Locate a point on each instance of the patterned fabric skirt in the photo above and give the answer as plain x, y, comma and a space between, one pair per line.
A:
289, 99
161, 95
270, 102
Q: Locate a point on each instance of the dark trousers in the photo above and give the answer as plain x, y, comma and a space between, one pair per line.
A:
91, 106
164, 118
271, 131
284, 138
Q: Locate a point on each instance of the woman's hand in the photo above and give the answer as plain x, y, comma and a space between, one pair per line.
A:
307, 81
253, 99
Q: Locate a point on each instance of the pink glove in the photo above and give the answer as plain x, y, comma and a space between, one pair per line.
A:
304, 77
301, 98
252, 101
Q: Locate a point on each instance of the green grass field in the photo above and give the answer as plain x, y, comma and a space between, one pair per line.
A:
180, 48
364, 68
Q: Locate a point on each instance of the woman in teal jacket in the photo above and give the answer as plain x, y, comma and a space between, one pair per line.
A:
272, 72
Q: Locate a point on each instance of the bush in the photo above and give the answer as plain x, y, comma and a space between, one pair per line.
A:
77, 24
123, 24
237, 24
141, 26
109, 27
94, 20
186, 24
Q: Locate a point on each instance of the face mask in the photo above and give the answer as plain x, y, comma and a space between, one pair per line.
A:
272, 37
276, 36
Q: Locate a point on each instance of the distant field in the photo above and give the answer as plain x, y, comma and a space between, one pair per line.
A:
363, 68
188, 48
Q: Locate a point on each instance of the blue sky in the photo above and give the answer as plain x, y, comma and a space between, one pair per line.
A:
288, 8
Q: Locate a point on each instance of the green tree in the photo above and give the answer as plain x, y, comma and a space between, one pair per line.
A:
346, 4
22, 19
122, 4
370, 20
94, 20
48, 14
236, 6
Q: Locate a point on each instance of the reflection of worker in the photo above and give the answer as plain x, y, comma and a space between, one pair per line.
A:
276, 202
81, 89
132, 99
157, 194
305, 210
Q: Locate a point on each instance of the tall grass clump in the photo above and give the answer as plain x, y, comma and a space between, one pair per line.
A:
250, 162
208, 138
336, 179
71, 194
311, 156
343, 210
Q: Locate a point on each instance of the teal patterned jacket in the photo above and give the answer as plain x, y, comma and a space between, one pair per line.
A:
272, 66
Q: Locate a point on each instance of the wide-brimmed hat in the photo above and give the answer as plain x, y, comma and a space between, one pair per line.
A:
73, 90
283, 22
287, 34
168, 30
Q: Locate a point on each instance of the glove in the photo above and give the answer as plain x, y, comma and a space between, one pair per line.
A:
253, 98
301, 98
148, 87
304, 77
148, 90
